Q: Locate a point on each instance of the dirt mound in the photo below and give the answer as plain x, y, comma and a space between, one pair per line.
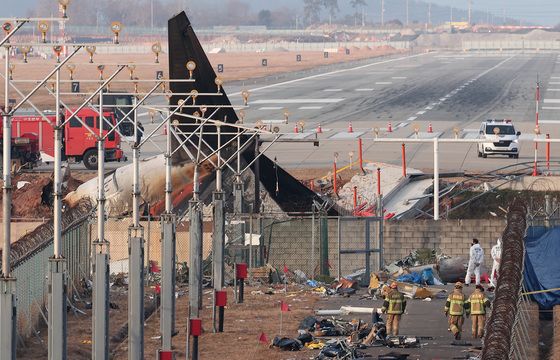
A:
32, 195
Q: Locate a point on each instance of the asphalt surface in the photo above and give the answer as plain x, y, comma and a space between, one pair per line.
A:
448, 90
422, 319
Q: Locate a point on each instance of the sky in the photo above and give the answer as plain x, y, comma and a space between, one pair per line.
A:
545, 12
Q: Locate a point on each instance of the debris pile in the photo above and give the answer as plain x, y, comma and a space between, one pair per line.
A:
366, 185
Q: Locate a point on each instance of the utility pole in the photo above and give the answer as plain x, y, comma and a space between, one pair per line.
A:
407, 13
152, 14
470, 11
430, 14
382, 12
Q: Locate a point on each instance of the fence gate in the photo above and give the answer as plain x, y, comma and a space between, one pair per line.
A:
358, 238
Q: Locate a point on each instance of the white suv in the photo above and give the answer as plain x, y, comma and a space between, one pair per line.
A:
502, 137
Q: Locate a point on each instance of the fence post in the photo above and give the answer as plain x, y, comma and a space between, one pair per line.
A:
339, 236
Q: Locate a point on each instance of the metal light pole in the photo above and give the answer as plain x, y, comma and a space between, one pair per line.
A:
7, 283
57, 263
136, 261
100, 343
218, 242
168, 269
436, 178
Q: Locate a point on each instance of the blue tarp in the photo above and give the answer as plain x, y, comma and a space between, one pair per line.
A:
542, 264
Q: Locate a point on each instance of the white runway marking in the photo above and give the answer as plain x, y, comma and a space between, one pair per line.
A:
399, 78
364, 89
421, 112
550, 108
331, 73
310, 107
552, 89
332, 90
428, 108
347, 135
555, 77
412, 118
551, 101
549, 121
554, 83
297, 101
383, 83
270, 108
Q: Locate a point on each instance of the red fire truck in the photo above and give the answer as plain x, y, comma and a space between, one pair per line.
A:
79, 143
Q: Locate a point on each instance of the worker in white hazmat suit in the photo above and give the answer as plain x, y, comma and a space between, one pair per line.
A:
475, 262
497, 257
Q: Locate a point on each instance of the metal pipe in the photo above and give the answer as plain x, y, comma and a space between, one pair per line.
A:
7, 168
360, 154
403, 151
57, 221
355, 197
100, 343
548, 153
8, 316
436, 179
378, 181
136, 173
335, 189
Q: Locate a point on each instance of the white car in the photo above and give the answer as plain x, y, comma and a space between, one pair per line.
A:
502, 139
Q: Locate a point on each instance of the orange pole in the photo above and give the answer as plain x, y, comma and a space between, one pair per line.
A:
548, 152
334, 178
403, 160
355, 197
378, 181
360, 155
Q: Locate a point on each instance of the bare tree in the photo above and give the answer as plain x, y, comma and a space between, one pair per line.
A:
355, 5
312, 10
332, 7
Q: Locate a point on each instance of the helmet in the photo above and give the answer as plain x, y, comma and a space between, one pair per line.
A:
394, 285
458, 285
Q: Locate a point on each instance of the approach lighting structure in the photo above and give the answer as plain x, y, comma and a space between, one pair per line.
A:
116, 28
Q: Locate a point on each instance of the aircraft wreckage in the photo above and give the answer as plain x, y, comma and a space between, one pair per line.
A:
277, 190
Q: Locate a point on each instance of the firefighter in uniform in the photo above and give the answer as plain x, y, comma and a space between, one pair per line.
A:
455, 310
393, 306
476, 306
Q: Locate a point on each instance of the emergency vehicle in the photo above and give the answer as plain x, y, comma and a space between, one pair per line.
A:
79, 144
502, 139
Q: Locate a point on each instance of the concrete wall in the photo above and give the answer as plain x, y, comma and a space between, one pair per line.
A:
290, 242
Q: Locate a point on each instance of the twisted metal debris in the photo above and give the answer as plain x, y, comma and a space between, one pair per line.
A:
501, 326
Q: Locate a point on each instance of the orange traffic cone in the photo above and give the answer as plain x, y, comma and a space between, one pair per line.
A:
389, 127
350, 129
296, 130
164, 129
430, 129
319, 129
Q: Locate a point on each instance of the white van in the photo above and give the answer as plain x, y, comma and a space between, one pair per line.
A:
502, 139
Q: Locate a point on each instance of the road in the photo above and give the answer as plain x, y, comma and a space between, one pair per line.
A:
448, 90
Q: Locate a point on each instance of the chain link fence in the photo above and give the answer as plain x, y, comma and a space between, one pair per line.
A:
30, 267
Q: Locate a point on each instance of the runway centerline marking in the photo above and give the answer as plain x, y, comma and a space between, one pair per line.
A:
550, 108
270, 108
297, 101
383, 83
551, 101
332, 90
364, 89
331, 73
310, 108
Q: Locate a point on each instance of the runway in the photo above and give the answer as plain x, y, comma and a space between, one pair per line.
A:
449, 90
